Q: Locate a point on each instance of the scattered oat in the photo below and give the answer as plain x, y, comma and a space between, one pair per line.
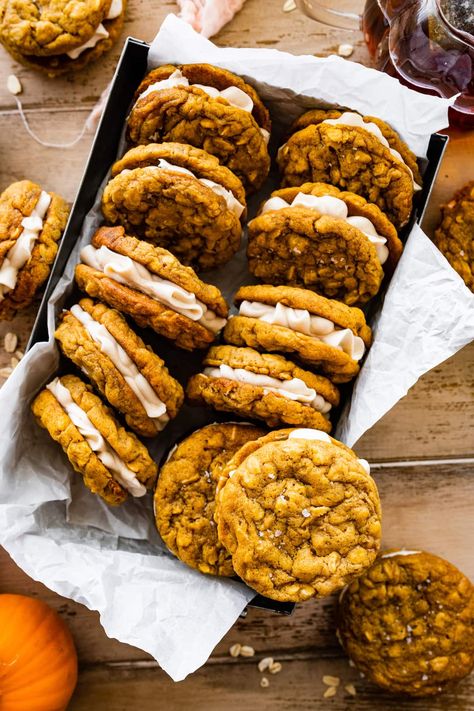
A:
351, 663
289, 6
5, 372
330, 692
19, 354
265, 664
14, 362
275, 668
350, 688
10, 342
264, 683
13, 85
345, 50
234, 651
247, 651
331, 680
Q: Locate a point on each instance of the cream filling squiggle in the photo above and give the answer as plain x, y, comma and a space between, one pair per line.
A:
134, 275
334, 207
294, 389
232, 203
20, 253
154, 407
94, 439
100, 33
302, 321
349, 118
402, 552
233, 95
317, 435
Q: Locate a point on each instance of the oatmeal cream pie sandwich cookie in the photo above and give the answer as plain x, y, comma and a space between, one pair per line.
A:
263, 386
180, 198
207, 107
299, 513
408, 623
324, 334
57, 36
131, 377
112, 461
149, 284
185, 494
323, 239
31, 224
455, 234
361, 154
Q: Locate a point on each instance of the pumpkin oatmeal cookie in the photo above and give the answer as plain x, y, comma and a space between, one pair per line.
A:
455, 234
300, 515
263, 386
185, 493
180, 198
126, 372
209, 108
111, 460
324, 334
31, 224
408, 623
149, 284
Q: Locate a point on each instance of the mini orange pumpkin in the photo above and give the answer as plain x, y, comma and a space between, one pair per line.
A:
38, 661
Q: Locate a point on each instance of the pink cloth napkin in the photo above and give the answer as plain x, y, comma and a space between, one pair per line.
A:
209, 16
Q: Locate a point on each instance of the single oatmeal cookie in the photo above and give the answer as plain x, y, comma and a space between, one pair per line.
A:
324, 334
185, 494
31, 224
408, 623
149, 284
209, 108
131, 377
300, 515
111, 460
455, 235
180, 198
263, 386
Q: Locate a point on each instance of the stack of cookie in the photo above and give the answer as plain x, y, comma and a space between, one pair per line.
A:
294, 513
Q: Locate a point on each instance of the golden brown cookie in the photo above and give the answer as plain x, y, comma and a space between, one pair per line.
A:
298, 246
300, 516
149, 284
408, 623
263, 386
324, 334
185, 494
58, 37
31, 224
111, 460
131, 377
455, 234
180, 198
354, 159
183, 111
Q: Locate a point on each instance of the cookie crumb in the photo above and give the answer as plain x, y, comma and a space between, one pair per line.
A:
289, 6
350, 688
234, 651
275, 668
19, 354
264, 683
330, 692
247, 651
14, 85
10, 342
265, 663
14, 362
345, 50
331, 680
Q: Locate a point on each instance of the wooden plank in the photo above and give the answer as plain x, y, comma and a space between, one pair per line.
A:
236, 684
414, 499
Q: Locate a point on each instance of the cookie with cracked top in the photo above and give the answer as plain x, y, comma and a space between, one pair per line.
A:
454, 235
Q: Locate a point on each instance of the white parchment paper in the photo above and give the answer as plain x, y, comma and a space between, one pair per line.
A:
112, 560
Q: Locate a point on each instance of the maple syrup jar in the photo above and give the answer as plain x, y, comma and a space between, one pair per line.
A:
426, 44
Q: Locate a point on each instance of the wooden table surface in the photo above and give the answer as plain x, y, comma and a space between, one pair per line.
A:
422, 450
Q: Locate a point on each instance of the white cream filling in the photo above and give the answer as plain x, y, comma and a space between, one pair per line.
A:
96, 442
134, 275
322, 437
154, 407
334, 207
233, 95
393, 554
294, 389
100, 33
349, 118
231, 201
302, 321
20, 253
